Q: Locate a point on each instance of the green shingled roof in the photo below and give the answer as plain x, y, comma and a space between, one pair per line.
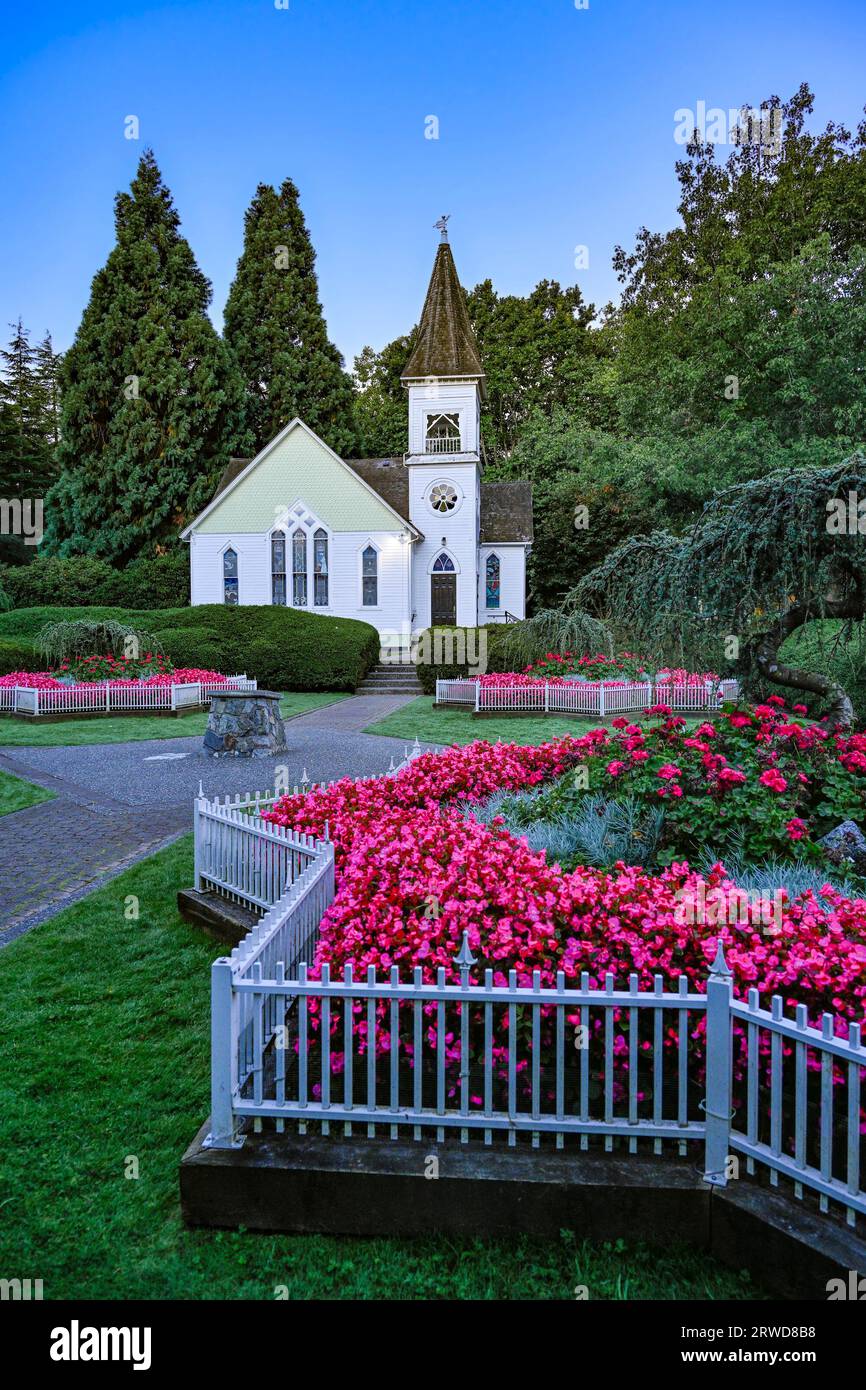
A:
445, 345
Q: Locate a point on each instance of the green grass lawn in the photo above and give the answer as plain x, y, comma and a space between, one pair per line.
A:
106, 1033
421, 720
16, 794
133, 728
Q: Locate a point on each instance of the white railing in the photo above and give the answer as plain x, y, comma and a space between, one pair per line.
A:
100, 697
244, 858
456, 692
442, 444
480, 1059
583, 697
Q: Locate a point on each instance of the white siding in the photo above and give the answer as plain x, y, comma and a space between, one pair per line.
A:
344, 581
459, 529
445, 397
512, 583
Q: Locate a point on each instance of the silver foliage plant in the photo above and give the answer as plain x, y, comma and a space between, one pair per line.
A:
601, 832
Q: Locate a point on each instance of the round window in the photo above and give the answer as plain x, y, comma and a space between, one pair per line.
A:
443, 497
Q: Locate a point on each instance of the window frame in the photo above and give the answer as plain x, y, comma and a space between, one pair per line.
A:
280, 534
234, 579
300, 533
497, 606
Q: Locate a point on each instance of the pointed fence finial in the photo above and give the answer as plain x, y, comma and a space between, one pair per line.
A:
304, 778
465, 959
200, 787
720, 965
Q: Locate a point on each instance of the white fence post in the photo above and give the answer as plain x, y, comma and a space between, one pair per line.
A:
717, 1105
477, 696
173, 696
224, 1058
601, 698
547, 697
197, 840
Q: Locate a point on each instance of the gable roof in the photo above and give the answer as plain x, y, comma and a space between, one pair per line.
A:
446, 344
506, 513
506, 508
238, 469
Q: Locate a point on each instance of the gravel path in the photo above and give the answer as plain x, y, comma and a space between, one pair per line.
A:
117, 802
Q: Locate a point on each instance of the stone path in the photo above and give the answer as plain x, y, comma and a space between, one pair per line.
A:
117, 802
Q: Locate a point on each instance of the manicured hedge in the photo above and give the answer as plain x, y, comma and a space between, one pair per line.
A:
283, 648
15, 655
470, 640
161, 581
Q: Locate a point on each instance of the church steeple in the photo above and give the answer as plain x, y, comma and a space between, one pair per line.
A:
444, 375
445, 346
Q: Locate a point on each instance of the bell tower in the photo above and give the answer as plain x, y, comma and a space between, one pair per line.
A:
445, 381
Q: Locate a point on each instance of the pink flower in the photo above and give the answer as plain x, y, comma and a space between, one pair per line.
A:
796, 828
773, 780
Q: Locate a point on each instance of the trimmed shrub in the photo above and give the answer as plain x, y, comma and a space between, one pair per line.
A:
16, 655
436, 645
281, 647
195, 646
159, 581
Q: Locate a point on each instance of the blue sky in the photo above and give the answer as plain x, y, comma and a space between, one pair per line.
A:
556, 129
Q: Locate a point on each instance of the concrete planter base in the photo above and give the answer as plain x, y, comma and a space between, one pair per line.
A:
361, 1186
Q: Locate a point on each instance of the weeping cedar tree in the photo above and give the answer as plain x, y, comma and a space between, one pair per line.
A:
765, 558
152, 406
275, 327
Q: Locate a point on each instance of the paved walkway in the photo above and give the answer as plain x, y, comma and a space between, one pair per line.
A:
117, 802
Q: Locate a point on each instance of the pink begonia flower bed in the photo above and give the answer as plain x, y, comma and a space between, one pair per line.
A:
183, 675
414, 871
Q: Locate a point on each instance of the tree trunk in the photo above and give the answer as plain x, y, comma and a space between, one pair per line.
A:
840, 714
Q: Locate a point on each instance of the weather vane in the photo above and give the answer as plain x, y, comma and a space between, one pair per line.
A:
442, 225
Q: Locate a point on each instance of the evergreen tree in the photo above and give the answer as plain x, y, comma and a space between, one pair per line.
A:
25, 453
48, 364
152, 406
276, 330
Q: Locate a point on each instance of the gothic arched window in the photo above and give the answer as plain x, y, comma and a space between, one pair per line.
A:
230, 576
443, 564
320, 568
491, 581
278, 567
299, 569
370, 577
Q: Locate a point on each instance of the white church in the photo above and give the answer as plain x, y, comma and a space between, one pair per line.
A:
402, 543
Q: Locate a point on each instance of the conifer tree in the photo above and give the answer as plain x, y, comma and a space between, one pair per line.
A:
276, 330
25, 454
152, 406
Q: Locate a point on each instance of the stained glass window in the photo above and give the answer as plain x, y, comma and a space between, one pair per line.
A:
299, 569
320, 568
443, 497
370, 577
278, 568
230, 576
492, 581
443, 564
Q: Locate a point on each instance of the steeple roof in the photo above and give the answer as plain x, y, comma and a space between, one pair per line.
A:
446, 344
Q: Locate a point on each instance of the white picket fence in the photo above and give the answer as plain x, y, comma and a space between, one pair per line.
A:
100, 697
276, 1033
515, 1062
583, 697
